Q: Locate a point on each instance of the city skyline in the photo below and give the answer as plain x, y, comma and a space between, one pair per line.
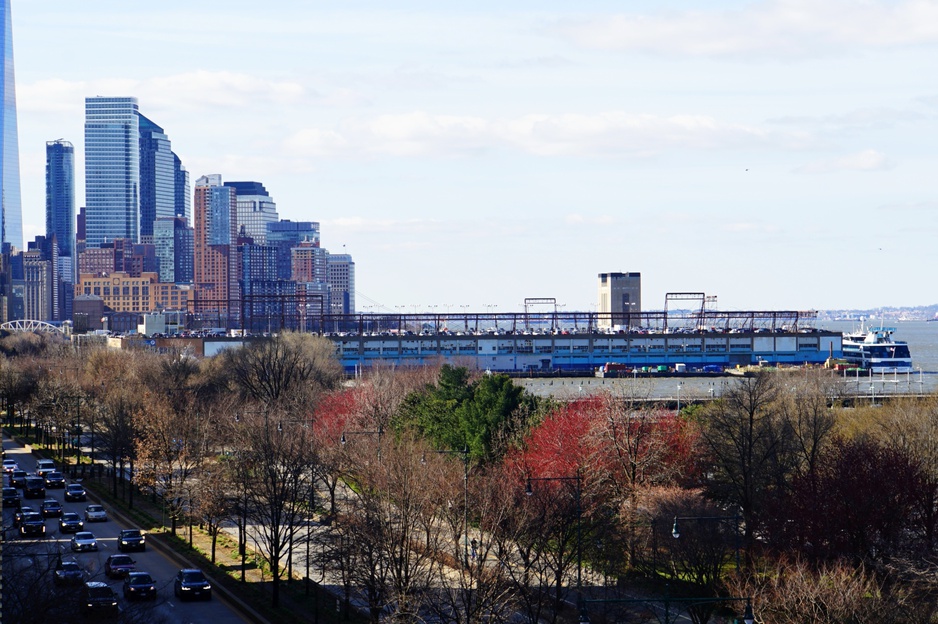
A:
774, 154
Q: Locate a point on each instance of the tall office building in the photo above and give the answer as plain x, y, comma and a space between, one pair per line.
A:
60, 195
183, 195
285, 235
112, 169
255, 210
172, 238
157, 176
11, 209
340, 275
215, 220
620, 295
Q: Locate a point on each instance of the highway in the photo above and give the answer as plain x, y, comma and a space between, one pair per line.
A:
24, 554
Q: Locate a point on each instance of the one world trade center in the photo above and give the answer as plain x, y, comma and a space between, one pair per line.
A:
11, 210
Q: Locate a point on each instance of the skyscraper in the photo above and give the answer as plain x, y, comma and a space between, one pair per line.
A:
112, 169
255, 209
183, 203
173, 241
11, 210
215, 267
60, 195
340, 275
157, 176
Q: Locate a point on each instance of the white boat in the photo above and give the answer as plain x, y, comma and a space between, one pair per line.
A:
876, 351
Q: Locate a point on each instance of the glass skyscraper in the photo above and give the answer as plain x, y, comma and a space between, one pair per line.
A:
112, 169
11, 210
157, 176
60, 195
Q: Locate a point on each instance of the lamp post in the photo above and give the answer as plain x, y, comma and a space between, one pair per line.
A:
737, 519
378, 432
679, 385
579, 528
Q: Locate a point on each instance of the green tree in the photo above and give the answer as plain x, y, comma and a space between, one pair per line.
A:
458, 412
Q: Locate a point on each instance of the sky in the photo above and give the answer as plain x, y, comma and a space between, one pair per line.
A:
777, 154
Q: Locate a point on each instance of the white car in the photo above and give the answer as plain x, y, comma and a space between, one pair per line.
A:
95, 513
83, 541
43, 466
9, 465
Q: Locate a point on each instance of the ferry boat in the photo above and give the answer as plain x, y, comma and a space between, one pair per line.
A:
876, 351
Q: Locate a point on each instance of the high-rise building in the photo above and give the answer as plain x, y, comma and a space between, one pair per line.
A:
172, 238
215, 266
255, 210
60, 195
340, 275
620, 295
286, 235
41, 280
183, 203
157, 176
112, 169
11, 209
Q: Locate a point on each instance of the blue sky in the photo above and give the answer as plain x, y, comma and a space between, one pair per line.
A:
777, 154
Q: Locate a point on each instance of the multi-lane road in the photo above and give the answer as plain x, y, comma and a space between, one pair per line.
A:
27, 556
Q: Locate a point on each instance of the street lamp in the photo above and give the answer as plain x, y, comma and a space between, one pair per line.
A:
679, 385
579, 528
676, 533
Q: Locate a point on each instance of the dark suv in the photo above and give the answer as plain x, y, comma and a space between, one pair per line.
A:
11, 497
35, 487
98, 598
131, 539
33, 524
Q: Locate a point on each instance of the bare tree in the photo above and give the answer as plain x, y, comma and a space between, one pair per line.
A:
273, 463
744, 437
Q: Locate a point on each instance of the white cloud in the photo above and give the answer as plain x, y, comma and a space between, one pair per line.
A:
865, 160
185, 92
610, 133
789, 28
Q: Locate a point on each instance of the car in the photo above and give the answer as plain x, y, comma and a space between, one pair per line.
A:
98, 598
191, 583
43, 466
119, 566
70, 522
54, 479
68, 573
35, 487
19, 513
11, 497
32, 524
75, 492
51, 508
84, 541
18, 478
131, 539
9, 465
139, 585
95, 513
